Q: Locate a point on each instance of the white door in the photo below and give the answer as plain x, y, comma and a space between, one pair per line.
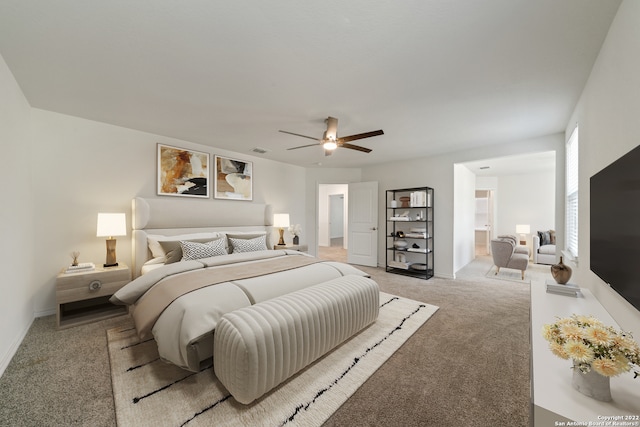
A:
363, 224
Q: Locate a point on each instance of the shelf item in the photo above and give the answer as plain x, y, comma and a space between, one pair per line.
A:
83, 296
410, 216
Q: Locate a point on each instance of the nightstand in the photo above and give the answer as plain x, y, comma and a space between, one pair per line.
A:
84, 297
301, 248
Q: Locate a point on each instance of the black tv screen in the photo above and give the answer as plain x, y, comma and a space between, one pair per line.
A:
615, 225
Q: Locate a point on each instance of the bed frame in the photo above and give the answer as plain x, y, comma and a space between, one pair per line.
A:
172, 216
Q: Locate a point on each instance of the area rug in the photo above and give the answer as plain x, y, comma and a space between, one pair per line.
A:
148, 391
509, 274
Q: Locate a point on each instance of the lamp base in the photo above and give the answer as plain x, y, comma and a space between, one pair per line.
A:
111, 254
281, 241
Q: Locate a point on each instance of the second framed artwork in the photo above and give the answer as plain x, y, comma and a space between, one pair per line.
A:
233, 179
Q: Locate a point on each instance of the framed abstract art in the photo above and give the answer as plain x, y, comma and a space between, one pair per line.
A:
182, 172
233, 179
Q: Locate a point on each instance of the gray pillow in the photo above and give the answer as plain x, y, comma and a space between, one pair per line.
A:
173, 249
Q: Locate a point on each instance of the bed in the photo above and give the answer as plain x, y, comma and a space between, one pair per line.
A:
179, 300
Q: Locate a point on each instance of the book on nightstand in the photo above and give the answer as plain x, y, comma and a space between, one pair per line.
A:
569, 289
82, 267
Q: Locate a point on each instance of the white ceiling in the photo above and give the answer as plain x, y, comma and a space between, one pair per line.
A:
435, 75
514, 165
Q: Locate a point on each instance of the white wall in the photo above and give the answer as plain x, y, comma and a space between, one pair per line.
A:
607, 114
17, 259
437, 172
464, 206
81, 167
526, 199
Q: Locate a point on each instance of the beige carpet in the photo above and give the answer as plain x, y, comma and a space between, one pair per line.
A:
509, 274
150, 392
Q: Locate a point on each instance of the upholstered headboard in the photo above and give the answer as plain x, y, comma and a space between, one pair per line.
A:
172, 216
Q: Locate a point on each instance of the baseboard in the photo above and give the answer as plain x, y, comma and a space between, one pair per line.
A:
6, 358
44, 313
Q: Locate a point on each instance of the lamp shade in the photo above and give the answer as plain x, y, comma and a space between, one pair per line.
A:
523, 228
111, 224
281, 220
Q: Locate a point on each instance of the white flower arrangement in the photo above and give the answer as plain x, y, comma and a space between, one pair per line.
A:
295, 229
592, 345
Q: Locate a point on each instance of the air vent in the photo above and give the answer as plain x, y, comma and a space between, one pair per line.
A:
484, 167
259, 150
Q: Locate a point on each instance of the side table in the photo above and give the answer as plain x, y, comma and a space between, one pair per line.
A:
83, 297
301, 248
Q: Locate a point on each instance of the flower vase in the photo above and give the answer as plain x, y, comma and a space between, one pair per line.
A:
561, 272
591, 384
296, 240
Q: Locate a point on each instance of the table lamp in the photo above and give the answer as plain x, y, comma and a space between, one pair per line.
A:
523, 230
110, 225
281, 221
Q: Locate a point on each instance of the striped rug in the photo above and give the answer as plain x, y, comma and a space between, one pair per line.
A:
150, 392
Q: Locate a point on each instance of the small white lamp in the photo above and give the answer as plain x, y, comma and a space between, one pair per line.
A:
110, 225
523, 230
281, 221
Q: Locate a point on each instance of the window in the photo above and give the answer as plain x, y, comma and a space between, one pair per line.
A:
571, 212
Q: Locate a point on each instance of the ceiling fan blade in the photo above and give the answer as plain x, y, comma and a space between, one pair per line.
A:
303, 146
354, 147
332, 128
297, 134
360, 136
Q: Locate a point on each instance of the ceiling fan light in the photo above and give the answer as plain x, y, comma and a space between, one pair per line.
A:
330, 145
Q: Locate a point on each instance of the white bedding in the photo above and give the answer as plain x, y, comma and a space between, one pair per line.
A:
184, 330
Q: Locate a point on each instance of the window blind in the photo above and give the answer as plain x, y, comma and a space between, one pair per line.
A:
571, 179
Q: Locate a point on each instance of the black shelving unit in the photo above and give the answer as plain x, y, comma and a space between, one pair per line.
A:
409, 238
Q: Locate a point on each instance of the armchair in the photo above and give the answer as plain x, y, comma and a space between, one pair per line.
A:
507, 254
544, 247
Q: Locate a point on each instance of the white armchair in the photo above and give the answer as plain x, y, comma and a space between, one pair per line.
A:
543, 253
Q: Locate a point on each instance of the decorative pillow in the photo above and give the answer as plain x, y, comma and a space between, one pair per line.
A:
552, 236
545, 238
242, 235
195, 250
173, 248
249, 245
153, 240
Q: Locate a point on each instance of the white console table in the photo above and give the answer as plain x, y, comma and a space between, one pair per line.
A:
554, 401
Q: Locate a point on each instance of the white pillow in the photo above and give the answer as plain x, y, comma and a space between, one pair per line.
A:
194, 250
248, 245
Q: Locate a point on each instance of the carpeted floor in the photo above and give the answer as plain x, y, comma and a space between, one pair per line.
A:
144, 386
469, 365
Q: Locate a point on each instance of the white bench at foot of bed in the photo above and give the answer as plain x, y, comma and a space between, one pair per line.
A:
258, 347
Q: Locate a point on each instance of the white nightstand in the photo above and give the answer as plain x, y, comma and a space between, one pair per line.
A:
84, 297
301, 248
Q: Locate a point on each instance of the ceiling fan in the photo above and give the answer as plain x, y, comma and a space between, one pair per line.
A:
330, 140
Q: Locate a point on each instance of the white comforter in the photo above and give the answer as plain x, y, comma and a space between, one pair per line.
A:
184, 330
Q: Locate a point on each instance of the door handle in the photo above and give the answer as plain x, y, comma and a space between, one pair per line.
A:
374, 228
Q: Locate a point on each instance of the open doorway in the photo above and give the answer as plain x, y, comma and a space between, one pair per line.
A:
332, 223
484, 222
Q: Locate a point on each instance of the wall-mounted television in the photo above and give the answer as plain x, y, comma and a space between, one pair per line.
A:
615, 225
